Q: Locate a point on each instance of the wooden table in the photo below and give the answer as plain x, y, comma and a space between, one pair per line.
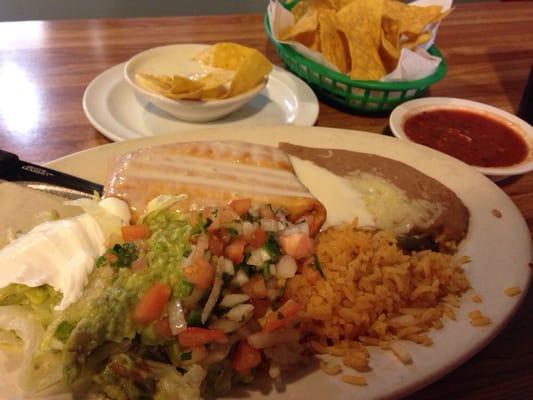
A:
45, 67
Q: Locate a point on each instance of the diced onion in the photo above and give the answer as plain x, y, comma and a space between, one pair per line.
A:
272, 268
240, 313
231, 300
297, 228
176, 317
228, 267
269, 225
240, 278
258, 257
215, 291
254, 210
247, 228
286, 267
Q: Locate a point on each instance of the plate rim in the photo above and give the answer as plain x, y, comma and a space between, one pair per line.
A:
113, 76
437, 158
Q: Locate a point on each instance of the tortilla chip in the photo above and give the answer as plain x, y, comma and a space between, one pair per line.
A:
250, 73
364, 37
412, 19
332, 41
305, 30
390, 43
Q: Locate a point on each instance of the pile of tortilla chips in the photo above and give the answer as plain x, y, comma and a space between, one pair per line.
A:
232, 69
363, 38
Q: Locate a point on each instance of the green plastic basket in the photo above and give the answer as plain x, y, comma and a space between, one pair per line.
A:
367, 96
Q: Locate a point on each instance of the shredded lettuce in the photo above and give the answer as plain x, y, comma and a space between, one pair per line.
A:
35, 375
161, 203
174, 386
41, 299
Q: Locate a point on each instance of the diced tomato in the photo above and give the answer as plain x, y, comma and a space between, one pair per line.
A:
162, 328
135, 232
194, 337
151, 304
255, 287
282, 316
298, 245
139, 265
260, 307
235, 250
200, 273
240, 206
310, 274
259, 237
245, 358
224, 235
216, 245
219, 217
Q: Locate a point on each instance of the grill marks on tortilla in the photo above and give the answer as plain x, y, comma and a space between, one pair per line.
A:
211, 174
450, 224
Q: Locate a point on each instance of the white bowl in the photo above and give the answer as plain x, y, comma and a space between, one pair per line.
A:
401, 113
178, 59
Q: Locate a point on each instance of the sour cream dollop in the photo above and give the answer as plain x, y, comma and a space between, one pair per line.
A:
59, 253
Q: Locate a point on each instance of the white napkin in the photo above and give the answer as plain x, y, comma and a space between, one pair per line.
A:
413, 64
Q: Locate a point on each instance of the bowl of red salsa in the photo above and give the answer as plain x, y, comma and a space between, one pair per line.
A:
489, 139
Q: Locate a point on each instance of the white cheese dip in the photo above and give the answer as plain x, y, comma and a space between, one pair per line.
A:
59, 253
343, 202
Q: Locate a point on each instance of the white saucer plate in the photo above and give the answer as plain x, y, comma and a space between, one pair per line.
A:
113, 108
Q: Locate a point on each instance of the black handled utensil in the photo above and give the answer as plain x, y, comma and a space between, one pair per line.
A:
45, 179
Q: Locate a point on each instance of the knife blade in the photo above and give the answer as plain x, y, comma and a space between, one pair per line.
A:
13, 169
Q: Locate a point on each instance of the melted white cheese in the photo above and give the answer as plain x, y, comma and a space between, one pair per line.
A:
59, 253
343, 202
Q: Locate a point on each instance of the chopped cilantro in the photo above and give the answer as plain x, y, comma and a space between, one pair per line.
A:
266, 270
281, 293
248, 269
201, 225
100, 261
63, 331
271, 246
186, 356
119, 256
316, 264
194, 318
232, 231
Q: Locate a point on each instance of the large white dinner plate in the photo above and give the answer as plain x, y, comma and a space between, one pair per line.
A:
500, 249
113, 108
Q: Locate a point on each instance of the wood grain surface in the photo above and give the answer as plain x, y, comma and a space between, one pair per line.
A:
46, 66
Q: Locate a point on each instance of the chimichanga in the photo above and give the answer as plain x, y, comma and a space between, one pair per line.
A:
212, 174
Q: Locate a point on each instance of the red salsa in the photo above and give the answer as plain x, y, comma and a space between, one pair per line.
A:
469, 136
